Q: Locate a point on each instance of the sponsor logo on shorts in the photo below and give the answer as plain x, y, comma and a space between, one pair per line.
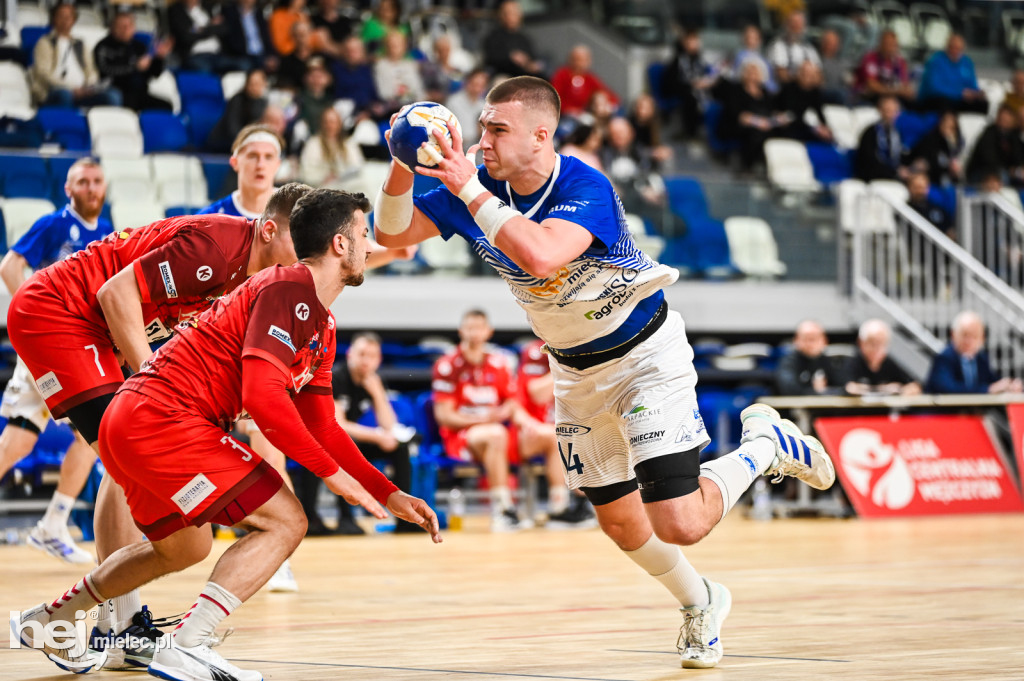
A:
282, 335
48, 385
570, 429
302, 311
644, 438
193, 493
165, 274
640, 413
204, 273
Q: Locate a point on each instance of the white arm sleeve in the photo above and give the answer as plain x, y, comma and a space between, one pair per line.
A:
392, 214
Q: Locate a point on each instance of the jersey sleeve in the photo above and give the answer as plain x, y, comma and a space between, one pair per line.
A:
589, 201
190, 264
280, 322
443, 380
449, 213
36, 242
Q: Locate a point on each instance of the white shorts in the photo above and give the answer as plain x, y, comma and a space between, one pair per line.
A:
612, 416
21, 398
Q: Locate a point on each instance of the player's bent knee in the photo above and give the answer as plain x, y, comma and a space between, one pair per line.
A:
668, 477
678, 531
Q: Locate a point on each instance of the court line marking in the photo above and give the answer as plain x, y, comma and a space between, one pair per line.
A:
432, 671
753, 657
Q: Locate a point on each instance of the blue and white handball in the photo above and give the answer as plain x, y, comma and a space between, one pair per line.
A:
414, 126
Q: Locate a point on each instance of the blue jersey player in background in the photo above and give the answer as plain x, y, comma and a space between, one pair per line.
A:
51, 238
626, 414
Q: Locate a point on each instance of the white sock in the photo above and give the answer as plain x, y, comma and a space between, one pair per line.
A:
667, 564
213, 605
501, 499
105, 616
558, 499
123, 608
82, 596
57, 512
733, 473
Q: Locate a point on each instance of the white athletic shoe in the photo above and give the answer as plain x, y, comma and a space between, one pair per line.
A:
76, 658
283, 581
797, 455
58, 544
700, 642
199, 663
507, 521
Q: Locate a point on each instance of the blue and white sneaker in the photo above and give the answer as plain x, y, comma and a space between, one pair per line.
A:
199, 663
797, 455
72, 655
131, 649
700, 641
59, 545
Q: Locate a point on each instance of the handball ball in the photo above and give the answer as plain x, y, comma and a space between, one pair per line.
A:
414, 126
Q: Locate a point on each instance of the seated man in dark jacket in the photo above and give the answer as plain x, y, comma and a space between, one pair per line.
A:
246, 37
999, 150
872, 371
126, 62
807, 370
880, 152
963, 367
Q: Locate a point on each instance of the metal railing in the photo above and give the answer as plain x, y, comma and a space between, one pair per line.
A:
905, 268
992, 230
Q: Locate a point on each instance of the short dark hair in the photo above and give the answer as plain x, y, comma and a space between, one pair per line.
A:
319, 215
281, 203
474, 312
532, 92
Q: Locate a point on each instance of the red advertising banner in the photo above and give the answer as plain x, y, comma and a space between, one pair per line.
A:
1015, 413
918, 465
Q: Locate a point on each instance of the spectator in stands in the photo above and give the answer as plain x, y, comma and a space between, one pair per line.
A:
246, 36
884, 73
291, 74
196, 37
339, 25
576, 83
807, 370
386, 18
475, 405
751, 51
920, 201
857, 30
999, 150
397, 74
331, 158
127, 64
872, 371
247, 106
949, 81
600, 110
440, 74
585, 143
283, 19
1015, 97
359, 391
792, 49
316, 95
835, 71
747, 114
643, 116
508, 51
938, 152
63, 72
963, 367
880, 151
468, 103
353, 80
687, 77
795, 99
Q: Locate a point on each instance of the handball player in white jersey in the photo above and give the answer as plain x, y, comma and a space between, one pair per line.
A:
626, 414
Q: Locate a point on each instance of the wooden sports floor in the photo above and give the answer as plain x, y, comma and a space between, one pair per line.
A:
938, 598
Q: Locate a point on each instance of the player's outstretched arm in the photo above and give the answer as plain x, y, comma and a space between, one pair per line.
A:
12, 270
396, 221
121, 301
381, 255
540, 249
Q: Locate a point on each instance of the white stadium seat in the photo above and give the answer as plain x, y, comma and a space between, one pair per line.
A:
129, 214
789, 167
165, 87
14, 90
753, 248
840, 121
232, 83
451, 255
20, 214
115, 132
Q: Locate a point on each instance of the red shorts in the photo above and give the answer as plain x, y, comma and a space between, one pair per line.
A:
455, 445
178, 469
71, 359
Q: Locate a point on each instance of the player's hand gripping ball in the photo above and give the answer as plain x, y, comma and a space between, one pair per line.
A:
415, 125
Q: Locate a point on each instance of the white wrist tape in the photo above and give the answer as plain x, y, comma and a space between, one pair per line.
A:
471, 190
392, 214
493, 215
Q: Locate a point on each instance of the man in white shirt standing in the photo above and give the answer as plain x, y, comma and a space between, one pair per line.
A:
791, 49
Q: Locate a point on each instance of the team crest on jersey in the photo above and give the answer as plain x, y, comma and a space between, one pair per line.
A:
204, 273
302, 311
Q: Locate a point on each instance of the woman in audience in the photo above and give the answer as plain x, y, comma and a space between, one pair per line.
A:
938, 152
647, 126
747, 114
283, 19
396, 74
248, 106
331, 158
386, 18
584, 143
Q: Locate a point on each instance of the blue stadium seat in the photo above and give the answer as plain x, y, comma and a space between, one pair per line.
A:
144, 37
655, 71
176, 211
69, 126
3, 233
944, 197
216, 172
830, 164
912, 126
712, 118
30, 35
202, 103
704, 249
162, 131
24, 177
